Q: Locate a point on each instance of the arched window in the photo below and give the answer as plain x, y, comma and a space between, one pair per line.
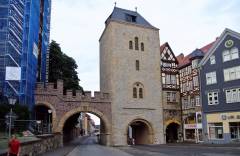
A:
138, 90
140, 93
134, 92
136, 43
130, 45
142, 46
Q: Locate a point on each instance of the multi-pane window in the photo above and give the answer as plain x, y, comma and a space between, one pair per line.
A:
197, 99
195, 81
211, 78
137, 65
232, 95
230, 54
212, 59
234, 130
232, 73
130, 45
190, 85
184, 87
171, 96
192, 101
136, 43
134, 92
170, 79
140, 94
215, 130
195, 63
138, 90
142, 46
212, 98
185, 103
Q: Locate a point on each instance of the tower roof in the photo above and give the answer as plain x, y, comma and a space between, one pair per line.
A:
123, 15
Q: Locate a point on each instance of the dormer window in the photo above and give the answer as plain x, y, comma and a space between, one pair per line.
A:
130, 18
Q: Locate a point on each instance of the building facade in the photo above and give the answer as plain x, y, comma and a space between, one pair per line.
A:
190, 94
21, 31
171, 95
130, 72
220, 89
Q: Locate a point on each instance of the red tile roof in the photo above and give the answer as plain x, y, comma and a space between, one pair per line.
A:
186, 60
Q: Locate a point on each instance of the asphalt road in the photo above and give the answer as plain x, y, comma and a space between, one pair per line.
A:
87, 146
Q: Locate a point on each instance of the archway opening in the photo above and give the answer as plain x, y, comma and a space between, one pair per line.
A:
172, 133
139, 133
43, 116
85, 127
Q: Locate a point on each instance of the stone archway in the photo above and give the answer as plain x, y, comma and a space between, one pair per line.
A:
141, 132
54, 114
104, 137
172, 132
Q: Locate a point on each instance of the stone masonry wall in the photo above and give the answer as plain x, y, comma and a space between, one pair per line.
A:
42, 145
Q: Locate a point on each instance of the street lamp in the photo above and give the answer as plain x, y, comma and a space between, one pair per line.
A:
49, 120
11, 101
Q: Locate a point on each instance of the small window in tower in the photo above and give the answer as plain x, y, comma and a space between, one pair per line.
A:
134, 92
136, 43
130, 45
140, 93
142, 46
130, 18
137, 64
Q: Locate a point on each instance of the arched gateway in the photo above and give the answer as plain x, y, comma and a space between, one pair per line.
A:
130, 74
64, 106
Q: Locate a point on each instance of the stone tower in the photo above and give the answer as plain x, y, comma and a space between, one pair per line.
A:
130, 72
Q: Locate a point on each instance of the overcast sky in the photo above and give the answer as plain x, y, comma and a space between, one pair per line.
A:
185, 24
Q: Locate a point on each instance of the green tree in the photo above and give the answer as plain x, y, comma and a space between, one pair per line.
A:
63, 67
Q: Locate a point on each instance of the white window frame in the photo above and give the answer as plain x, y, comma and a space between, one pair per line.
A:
234, 53
197, 99
226, 55
213, 125
230, 54
211, 78
212, 60
213, 95
232, 95
232, 73
194, 63
195, 81
171, 96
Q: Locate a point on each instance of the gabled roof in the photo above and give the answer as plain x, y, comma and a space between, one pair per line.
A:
184, 61
197, 53
163, 46
218, 42
120, 15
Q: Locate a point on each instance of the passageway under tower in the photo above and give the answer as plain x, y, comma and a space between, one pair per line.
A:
82, 125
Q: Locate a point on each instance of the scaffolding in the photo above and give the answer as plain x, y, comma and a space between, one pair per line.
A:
24, 42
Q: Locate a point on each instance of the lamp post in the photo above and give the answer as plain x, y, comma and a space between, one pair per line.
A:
11, 101
49, 120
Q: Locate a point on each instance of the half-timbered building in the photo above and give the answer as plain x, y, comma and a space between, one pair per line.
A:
171, 94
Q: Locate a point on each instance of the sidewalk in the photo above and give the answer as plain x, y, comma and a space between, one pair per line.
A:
204, 145
237, 144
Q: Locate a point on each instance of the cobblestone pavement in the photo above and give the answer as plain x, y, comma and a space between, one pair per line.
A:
182, 150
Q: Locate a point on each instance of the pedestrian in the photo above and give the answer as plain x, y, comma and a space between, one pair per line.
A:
14, 146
